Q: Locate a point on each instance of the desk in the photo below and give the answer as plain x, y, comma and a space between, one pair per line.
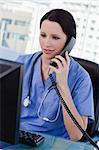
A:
53, 143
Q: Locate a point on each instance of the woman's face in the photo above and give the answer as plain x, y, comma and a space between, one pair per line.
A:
52, 38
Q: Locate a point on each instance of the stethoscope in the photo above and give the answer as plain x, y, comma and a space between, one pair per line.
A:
27, 101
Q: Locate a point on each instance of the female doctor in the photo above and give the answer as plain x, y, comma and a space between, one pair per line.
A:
42, 110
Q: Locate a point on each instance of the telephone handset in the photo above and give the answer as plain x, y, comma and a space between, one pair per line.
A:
68, 48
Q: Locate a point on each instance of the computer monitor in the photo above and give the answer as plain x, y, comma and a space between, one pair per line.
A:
11, 74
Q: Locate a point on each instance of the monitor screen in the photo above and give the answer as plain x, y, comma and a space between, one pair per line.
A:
11, 74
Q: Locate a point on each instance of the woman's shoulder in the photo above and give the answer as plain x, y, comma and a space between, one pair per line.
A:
78, 76
27, 57
78, 69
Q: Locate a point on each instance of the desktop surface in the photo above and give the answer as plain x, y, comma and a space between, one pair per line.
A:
53, 143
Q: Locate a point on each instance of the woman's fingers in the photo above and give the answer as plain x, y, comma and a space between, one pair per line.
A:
58, 62
61, 61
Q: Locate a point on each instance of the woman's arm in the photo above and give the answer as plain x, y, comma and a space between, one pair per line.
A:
61, 79
74, 133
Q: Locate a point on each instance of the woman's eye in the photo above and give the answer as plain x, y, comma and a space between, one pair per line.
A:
56, 38
43, 35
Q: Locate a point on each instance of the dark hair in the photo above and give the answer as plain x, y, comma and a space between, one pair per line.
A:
64, 18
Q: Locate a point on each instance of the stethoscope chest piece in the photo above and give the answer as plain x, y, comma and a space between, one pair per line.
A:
27, 102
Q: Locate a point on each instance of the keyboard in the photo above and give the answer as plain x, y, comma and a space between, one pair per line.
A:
29, 138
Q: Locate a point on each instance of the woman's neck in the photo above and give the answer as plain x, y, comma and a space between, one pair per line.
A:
45, 61
45, 68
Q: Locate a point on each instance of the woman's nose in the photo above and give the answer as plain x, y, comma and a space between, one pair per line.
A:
48, 42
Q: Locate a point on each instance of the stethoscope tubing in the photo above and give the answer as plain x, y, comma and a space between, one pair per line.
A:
39, 109
28, 102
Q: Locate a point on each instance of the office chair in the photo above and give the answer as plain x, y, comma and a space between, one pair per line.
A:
93, 69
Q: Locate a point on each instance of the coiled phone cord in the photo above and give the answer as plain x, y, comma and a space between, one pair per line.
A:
71, 115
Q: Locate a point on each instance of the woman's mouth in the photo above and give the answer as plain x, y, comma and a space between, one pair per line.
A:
47, 51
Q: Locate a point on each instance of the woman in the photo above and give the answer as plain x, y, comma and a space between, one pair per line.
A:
42, 110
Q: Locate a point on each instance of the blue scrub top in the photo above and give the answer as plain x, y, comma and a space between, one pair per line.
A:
81, 90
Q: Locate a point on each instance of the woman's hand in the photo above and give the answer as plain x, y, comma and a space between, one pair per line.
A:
62, 69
